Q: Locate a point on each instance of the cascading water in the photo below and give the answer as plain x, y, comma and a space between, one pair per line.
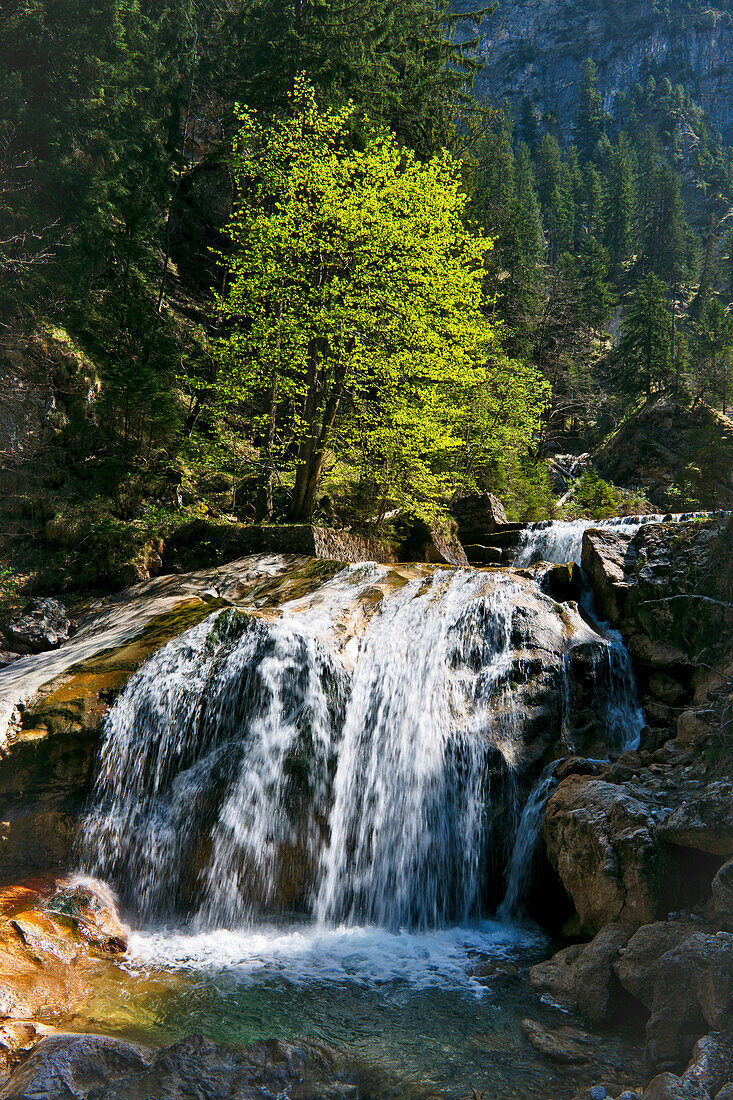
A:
312, 808
562, 540
407, 827
246, 773
202, 754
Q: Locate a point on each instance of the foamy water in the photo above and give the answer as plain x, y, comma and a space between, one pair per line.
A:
366, 956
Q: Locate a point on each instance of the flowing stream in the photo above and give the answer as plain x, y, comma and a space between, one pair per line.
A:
294, 808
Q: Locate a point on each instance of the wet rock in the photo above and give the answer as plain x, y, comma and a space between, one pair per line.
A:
92, 906
723, 896
44, 626
72, 1066
602, 842
582, 974
17, 1037
94, 1067
562, 582
605, 559
565, 1044
49, 941
694, 987
637, 965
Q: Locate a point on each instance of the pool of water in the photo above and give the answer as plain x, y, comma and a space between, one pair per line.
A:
434, 1014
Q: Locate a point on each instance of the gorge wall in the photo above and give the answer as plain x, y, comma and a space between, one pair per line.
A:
537, 48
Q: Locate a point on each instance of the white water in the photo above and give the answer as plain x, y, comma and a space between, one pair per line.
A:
302, 955
247, 774
558, 541
407, 830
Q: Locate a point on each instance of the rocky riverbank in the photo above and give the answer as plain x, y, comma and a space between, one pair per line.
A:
637, 851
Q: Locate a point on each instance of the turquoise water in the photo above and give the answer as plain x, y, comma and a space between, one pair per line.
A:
414, 1014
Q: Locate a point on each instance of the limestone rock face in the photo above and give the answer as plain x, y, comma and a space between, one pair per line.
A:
602, 843
583, 973
537, 49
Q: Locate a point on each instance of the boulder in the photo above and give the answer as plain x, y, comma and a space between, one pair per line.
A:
606, 558
637, 965
562, 581
98, 1067
602, 842
707, 1077
478, 512
429, 542
582, 974
73, 1066
723, 896
564, 1044
45, 625
704, 823
92, 906
694, 987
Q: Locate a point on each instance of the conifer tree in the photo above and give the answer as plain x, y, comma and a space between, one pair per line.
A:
643, 355
619, 204
590, 119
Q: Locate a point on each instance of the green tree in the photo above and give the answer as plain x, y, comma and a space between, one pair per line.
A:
643, 354
397, 60
355, 316
595, 298
590, 119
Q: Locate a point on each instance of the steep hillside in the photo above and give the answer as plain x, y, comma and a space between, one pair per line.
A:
536, 48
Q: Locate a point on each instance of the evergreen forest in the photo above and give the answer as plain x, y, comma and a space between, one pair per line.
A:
280, 262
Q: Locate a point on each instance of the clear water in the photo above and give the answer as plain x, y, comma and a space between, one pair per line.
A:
431, 1014
302, 825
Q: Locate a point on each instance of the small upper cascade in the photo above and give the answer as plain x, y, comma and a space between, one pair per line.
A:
557, 541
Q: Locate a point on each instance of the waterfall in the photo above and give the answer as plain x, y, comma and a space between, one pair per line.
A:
357, 754
562, 540
525, 845
407, 828
203, 761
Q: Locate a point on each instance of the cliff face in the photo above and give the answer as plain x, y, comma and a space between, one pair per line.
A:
537, 48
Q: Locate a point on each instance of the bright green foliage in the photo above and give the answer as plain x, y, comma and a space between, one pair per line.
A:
593, 498
355, 317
